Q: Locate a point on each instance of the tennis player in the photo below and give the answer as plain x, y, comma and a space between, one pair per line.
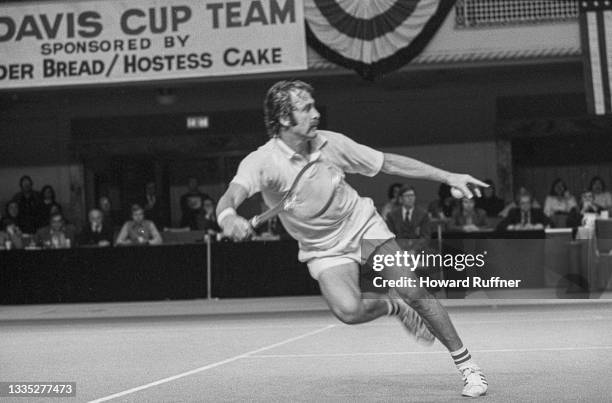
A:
331, 244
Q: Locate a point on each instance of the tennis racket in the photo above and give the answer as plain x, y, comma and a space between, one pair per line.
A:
309, 196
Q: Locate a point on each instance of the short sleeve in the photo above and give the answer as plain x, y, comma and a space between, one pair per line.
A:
249, 174
353, 157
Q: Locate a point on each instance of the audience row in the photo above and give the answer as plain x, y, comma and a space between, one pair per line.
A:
407, 220
34, 219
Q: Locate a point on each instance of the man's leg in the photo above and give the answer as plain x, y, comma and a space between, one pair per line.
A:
438, 321
340, 288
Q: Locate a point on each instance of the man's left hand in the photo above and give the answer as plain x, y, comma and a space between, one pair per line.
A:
467, 184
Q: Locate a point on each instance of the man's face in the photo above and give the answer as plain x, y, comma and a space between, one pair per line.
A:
26, 185
13, 209
525, 203
138, 216
57, 222
305, 115
95, 217
587, 198
209, 206
408, 199
468, 204
105, 204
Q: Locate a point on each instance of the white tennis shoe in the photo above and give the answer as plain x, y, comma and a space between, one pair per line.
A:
474, 382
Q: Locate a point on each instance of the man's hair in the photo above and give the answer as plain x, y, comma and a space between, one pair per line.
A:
136, 207
24, 178
278, 105
407, 189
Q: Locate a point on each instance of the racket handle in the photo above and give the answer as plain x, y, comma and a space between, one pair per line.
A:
255, 221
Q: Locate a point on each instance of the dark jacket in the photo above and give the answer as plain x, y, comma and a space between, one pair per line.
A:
88, 237
515, 217
417, 230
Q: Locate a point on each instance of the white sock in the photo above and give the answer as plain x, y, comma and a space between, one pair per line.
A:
462, 358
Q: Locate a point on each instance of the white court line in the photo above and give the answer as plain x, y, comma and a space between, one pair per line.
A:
209, 366
507, 350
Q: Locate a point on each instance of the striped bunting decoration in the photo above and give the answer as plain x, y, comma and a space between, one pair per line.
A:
596, 36
373, 37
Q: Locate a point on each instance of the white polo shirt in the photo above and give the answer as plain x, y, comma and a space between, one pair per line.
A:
271, 170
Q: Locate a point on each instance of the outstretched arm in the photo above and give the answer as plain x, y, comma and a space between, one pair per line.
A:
395, 164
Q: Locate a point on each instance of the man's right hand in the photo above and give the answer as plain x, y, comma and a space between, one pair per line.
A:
236, 228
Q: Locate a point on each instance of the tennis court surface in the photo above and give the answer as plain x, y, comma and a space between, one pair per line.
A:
531, 351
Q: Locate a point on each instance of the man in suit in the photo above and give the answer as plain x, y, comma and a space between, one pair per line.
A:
98, 232
409, 222
524, 217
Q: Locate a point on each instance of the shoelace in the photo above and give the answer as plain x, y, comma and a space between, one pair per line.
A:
467, 372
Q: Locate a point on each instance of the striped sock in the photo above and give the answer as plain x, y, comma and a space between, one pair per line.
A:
393, 307
462, 358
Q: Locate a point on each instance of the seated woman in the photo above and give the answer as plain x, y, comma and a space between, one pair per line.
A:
601, 196
10, 235
587, 206
559, 200
467, 218
138, 231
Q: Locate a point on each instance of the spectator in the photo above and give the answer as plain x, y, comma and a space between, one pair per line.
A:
393, 196
109, 217
587, 206
153, 205
191, 203
559, 199
522, 191
410, 222
11, 212
30, 206
48, 200
139, 231
467, 217
57, 235
97, 232
10, 235
443, 207
489, 202
206, 220
524, 217
601, 196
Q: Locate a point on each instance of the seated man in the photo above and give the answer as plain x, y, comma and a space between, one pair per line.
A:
138, 231
468, 218
410, 223
57, 235
97, 232
525, 217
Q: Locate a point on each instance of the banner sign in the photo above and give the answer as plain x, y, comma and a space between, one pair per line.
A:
96, 42
373, 37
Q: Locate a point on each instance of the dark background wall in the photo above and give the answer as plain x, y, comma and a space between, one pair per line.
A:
450, 117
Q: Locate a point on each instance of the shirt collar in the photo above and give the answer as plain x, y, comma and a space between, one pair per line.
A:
317, 144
